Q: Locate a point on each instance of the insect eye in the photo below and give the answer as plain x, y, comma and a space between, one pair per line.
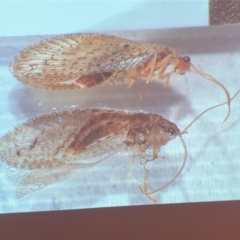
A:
171, 131
186, 59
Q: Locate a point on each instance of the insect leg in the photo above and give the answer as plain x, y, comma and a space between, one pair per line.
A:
144, 188
131, 78
150, 66
162, 66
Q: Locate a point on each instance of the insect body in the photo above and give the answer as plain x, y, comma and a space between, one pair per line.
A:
87, 60
52, 146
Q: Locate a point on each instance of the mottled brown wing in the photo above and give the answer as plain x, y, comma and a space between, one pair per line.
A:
58, 62
37, 151
43, 142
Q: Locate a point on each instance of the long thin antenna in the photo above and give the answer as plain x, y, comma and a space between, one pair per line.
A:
210, 78
208, 110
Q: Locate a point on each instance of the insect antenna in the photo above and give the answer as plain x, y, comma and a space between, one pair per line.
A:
212, 79
208, 109
185, 149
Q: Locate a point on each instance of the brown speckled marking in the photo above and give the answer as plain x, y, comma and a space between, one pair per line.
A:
88, 60
53, 145
92, 79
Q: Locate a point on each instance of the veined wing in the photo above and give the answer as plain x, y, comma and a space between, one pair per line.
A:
58, 62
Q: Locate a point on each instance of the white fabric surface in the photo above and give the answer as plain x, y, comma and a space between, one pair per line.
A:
213, 165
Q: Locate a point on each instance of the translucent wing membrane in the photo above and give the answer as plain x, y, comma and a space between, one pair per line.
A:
88, 60
58, 62
53, 146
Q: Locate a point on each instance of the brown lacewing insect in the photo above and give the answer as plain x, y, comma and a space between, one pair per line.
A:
48, 148
52, 146
87, 60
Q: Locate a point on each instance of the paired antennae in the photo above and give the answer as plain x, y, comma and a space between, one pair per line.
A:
184, 144
210, 78
190, 124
